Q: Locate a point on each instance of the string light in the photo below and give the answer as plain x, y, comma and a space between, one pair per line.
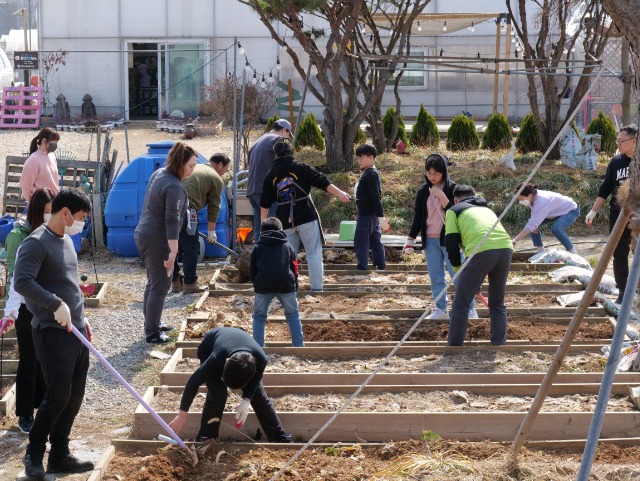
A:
271, 78
247, 67
444, 27
278, 66
364, 28
254, 80
371, 38
263, 84
240, 49
419, 26
516, 53
441, 52
471, 28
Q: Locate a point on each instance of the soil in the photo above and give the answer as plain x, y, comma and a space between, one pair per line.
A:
409, 401
437, 460
6, 386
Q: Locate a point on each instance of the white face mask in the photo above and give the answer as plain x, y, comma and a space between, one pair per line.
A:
74, 228
525, 202
47, 216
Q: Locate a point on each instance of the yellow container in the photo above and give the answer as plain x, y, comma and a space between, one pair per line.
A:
347, 230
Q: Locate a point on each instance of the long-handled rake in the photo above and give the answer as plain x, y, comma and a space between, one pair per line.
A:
121, 380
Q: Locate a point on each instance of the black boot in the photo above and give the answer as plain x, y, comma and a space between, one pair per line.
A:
33, 461
62, 461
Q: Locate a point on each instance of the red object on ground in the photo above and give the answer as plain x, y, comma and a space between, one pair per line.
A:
483, 299
87, 289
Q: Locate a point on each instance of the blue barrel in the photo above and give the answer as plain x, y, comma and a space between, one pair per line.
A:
6, 226
124, 202
223, 232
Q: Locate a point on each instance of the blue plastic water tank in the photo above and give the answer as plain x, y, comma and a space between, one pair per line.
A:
223, 232
124, 203
6, 226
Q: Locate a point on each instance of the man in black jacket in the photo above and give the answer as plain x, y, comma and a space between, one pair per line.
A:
274, 273
617, 173
230, 358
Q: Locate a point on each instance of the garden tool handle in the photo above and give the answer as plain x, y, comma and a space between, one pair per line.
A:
128, 387
217, 244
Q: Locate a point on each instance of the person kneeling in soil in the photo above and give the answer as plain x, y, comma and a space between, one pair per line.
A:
230, 358
274, 273
466, 224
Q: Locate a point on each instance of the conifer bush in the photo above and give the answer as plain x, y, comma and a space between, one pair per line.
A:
528, 138
604, 126
270, 122
387, 122
361, 137
498, 134
462, 134
425, 131
309, 134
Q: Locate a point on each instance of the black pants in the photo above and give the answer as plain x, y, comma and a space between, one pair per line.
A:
189, 251
367, 238
30, 385
620, 254
495, 264
65, 364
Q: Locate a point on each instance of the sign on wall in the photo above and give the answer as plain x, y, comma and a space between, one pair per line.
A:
25, 60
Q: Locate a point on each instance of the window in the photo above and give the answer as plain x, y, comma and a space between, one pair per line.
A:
414, 73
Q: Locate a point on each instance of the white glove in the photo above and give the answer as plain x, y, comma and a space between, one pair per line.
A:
589, 218
384, 224
7, 323
408, 248
63, 316
212, 237
242, 412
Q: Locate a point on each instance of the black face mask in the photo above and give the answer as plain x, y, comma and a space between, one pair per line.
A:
52, 146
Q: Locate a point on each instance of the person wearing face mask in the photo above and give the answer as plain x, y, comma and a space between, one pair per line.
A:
30, 384
433, 199
40, 170
46, 274
156, 235
547, 208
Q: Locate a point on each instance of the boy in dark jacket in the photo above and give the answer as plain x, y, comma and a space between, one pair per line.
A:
274, 273
370, 221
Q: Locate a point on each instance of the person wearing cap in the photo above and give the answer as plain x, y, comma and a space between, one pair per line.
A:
261, 158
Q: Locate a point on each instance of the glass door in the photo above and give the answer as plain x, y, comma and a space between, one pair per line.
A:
182, 77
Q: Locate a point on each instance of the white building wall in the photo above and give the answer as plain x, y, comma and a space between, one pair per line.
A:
76, 25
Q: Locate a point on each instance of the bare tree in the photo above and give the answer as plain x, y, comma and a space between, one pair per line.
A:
548, 45
349, 88
626, 17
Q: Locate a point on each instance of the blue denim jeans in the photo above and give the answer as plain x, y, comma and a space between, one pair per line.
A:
289, 302
309, 234
559, 225
254, 200
437, 259
189, 249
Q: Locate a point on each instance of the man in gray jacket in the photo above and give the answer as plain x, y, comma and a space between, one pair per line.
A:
46, 275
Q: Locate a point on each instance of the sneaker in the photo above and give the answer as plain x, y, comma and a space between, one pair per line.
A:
203, 439
194, 288
25, 423
160, 338
473, 314
285, 438
165, 328
439, 314
67, 463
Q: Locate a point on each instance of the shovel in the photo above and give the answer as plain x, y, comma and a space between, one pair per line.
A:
121, 380
221, 246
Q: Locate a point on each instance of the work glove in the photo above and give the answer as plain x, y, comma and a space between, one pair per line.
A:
62, 316
384, 224
212, 237
242, 412
7, 323
514, 241
589, 218
408, 248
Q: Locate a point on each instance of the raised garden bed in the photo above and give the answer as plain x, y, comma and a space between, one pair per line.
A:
7, 397
96, 298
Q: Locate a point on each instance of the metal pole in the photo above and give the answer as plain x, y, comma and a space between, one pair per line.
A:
235, 216
236, 159
610, 369
304, 93
26, 46
572, 330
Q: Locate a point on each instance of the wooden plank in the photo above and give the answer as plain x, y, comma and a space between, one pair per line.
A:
102, 466
380, 427
482, 312
8, 401
9, 366
269, 379
96, 212
422, 268
101, 287
365, 291
201, 300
